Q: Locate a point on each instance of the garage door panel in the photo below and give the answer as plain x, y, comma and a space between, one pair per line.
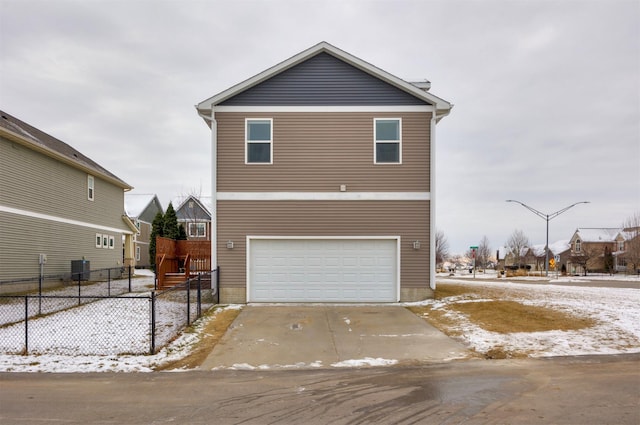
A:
322, 270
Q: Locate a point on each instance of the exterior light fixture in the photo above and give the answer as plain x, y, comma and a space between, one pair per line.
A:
416, 244
229, 244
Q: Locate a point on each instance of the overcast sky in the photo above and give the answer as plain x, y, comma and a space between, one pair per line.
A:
546, 93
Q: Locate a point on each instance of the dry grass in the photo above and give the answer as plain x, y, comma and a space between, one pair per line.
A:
211, 334
511, 316
494, 310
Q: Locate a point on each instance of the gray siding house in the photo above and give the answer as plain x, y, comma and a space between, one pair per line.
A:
323, 182
141, 208
56, 203
194, 213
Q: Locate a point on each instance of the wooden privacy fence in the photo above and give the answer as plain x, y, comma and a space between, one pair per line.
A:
178, 261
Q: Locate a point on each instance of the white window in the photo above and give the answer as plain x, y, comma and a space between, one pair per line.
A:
98, 240
90, 188
112, 242
578, 245
620, 245
105, 241
197, 229
387, 135
258, 141
137, 253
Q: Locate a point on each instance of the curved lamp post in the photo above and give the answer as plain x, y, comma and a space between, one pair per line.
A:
547, 217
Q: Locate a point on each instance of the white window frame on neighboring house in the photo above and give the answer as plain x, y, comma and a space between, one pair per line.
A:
198, 226
91, 189
250, 140
137, 253
105, 241
112, 242
98, 240
578, 245
380, 139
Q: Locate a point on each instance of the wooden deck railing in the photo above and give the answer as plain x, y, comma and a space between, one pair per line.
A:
192, 256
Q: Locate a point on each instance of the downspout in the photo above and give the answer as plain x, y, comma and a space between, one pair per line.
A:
214, 190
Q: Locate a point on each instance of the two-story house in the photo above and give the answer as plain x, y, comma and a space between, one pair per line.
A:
601, 249
323, 182
142, 208
194, 213
57, 206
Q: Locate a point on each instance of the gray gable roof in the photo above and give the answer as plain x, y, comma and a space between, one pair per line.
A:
18, 131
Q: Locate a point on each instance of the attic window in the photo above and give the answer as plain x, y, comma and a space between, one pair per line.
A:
578, 243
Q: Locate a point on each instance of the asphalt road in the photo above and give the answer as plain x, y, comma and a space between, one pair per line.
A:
576, 390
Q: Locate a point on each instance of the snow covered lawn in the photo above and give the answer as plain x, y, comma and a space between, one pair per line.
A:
615, 310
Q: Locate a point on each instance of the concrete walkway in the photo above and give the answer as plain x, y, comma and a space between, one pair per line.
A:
303, 336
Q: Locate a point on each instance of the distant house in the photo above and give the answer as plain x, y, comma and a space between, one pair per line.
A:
562, 251
323, 182
601, 249
56, 206
142, 209
194, 213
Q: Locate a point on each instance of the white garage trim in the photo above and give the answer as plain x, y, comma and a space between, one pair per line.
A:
251, 238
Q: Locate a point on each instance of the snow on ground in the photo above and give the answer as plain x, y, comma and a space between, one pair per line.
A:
176, 350
616, 311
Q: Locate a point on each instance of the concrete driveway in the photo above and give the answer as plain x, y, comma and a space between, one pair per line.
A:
313, 336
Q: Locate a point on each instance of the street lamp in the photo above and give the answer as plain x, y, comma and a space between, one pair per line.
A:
547, 217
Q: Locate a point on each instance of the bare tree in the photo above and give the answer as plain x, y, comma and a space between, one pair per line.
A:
631, 227
484, 252
442, 247
585, 256
516, 243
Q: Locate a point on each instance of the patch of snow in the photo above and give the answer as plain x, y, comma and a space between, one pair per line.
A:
367, 361
72, 363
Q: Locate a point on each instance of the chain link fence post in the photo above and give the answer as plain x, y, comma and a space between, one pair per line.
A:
152, 301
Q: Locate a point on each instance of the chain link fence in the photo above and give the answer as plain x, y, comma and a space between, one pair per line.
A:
92, 324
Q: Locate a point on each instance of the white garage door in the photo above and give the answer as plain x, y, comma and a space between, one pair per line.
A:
323, 270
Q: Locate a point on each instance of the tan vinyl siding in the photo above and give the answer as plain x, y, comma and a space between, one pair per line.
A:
407, 219
35, 182
318, 152
24, 238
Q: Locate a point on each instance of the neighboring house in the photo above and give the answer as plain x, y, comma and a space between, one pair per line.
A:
562, 250
600, 249
57, 204
525, 259
323, 183
142, 209
194, 213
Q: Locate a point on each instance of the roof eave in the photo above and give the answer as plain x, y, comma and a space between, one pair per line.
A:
15, 137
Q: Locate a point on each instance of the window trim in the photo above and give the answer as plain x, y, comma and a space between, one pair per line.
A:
196, 225
137, 252
247, 141
105, 241
375, 140
98, 240
578, 245
112, 242
91, 187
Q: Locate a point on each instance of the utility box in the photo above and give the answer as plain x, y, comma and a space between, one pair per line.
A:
80, 269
